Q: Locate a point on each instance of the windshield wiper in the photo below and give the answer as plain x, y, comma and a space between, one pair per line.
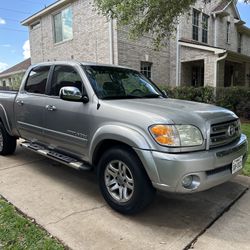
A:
151, 96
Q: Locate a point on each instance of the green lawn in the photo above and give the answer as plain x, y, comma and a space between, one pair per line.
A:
246, 131
17, 232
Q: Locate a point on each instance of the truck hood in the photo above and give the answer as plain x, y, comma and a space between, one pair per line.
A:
173, 111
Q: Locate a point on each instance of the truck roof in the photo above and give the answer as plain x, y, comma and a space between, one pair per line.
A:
73, 63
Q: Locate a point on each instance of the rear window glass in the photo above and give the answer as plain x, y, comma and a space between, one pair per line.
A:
37, 80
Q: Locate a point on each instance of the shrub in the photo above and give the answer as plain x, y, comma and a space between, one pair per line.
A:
236, 99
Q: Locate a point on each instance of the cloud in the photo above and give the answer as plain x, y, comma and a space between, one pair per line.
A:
26, 49
3, 66
2, 21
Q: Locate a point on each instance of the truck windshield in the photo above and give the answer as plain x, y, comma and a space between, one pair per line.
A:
119, 83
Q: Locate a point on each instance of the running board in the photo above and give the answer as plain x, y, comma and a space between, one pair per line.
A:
64, 159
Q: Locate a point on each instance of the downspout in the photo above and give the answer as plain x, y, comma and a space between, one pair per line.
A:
177, 55
216, 67
111, 41
215, 30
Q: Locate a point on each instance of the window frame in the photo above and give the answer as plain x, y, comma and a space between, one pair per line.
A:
195, 25
150, 64
54, 26
46, 85
205, 28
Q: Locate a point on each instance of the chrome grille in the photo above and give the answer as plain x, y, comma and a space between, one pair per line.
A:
224, 133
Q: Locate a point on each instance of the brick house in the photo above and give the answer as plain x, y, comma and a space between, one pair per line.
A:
211, 44
12, 77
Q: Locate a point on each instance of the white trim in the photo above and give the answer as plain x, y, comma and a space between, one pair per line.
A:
235, 8
203, 47
216, 68
39, 14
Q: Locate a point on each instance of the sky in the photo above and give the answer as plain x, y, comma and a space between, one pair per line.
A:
14, 38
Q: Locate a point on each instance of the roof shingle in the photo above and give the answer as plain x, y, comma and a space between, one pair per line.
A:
221, 6
24, 65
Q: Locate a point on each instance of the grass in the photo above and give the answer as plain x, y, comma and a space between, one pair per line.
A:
246, 131
18, 232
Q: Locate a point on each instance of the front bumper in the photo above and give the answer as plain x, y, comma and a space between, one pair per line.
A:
213, 167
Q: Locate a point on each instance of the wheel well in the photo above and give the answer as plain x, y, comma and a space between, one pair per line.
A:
104, 146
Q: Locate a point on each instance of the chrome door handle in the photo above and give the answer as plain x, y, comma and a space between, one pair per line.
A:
20, 103
50, 108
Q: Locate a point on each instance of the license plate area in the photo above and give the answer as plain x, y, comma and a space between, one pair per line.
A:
237, 164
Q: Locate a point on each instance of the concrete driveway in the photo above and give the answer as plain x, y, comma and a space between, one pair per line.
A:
68, 204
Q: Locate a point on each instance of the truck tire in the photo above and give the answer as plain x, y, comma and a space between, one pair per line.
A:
7, 142
123, 181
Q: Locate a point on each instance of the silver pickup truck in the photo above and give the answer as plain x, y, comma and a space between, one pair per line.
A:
117, 122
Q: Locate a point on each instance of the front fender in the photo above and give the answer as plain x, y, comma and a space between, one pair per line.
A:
134, 138
121, 133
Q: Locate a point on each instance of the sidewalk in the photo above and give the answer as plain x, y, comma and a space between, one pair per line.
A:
231, 231
68, 204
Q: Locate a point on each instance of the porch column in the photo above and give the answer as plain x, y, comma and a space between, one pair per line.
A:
247, 74
209, 71
220, 73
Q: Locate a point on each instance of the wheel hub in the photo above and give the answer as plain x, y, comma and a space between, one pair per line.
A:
119, 181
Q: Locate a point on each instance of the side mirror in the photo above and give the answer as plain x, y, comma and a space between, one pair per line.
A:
72, 94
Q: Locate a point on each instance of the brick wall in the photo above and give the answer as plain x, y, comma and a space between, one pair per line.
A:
132, 52
90, 37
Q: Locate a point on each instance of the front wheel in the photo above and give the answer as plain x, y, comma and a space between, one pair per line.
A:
7, 142
123, 181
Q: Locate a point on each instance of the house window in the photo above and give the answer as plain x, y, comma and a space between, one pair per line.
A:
205, 28
196, 16
146, 69
4, 83
63, 25
239, 43
228, 31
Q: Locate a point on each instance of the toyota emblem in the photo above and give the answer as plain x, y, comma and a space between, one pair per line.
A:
231, 131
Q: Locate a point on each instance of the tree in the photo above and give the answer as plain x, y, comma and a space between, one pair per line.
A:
157, 17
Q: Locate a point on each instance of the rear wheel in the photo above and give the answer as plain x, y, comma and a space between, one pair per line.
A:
7, 142
123, 181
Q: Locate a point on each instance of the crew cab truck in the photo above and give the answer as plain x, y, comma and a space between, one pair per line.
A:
117, 122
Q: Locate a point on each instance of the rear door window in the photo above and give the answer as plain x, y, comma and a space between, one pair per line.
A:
37, 80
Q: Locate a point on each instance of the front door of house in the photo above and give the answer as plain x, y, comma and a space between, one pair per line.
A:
198, 76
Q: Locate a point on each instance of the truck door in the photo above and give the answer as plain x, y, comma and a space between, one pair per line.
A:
30, 105
66, 122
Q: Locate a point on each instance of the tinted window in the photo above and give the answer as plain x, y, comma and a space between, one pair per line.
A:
37, 80
65, 76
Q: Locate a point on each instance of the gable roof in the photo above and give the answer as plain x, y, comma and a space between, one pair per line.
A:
20, 67
224, 4
221, 6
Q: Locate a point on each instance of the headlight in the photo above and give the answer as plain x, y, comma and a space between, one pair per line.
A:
176, 135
